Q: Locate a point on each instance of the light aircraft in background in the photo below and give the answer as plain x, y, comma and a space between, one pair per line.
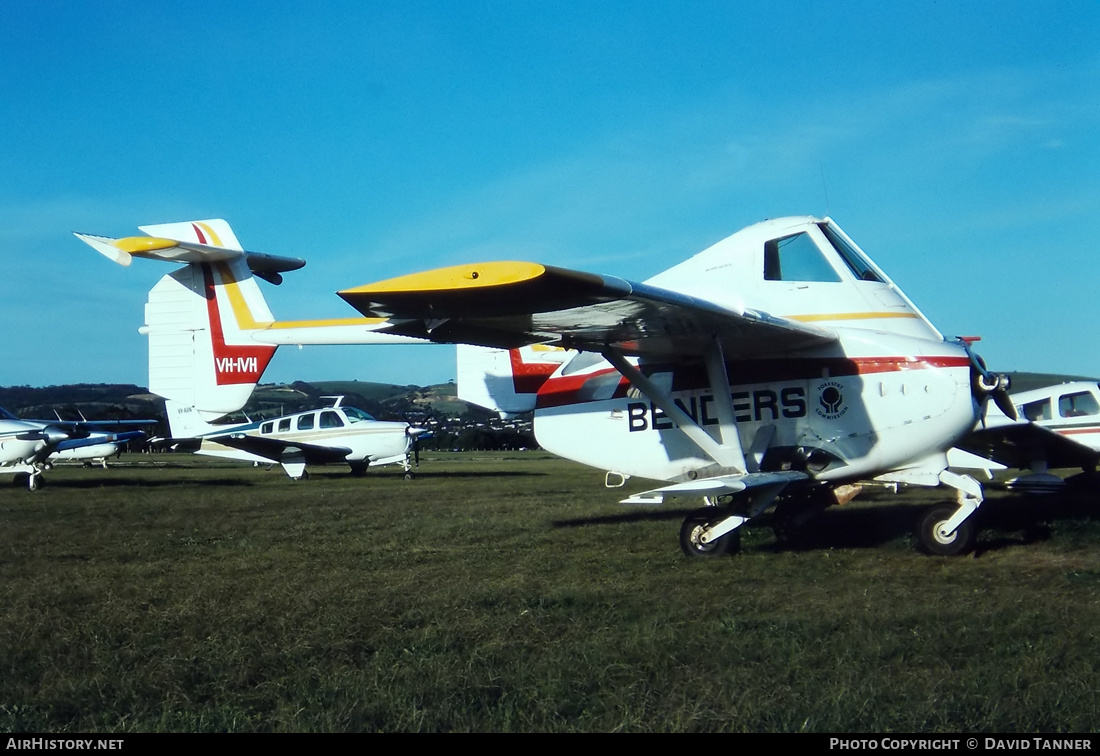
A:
780, 367
88, 455
330, 435
27, 445
1054, 427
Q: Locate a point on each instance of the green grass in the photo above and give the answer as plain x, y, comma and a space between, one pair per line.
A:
512, 593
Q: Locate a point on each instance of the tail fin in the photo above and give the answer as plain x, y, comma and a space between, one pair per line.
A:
506, 380
198, 318
185, 421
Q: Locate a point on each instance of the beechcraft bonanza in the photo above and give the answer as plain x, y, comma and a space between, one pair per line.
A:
27, 445
1054, 427
330, 435
780, 367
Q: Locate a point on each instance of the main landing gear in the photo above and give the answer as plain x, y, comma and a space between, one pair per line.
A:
936, 536
715, 529
695, 541
32, 480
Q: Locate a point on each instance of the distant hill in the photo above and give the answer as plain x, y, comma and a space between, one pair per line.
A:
1029, 381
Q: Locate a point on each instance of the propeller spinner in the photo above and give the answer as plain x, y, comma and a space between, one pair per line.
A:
987, 384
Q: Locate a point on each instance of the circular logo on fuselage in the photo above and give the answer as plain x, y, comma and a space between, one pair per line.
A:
830, 402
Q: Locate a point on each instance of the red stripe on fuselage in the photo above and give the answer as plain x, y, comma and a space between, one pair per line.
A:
233, 364
1078, 431
565, 390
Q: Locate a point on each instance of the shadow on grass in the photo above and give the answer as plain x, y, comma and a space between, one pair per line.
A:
446, 475
90, 483
866, 527
1004, 521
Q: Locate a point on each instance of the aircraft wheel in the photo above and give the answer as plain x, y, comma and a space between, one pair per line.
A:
408, 476
36, 482
695, 523
303, 476
932, 541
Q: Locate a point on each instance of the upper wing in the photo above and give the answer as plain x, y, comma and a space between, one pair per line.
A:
98, 438
510, 304
1019, 444
277, 451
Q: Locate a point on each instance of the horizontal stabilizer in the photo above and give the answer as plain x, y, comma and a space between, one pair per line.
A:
208, 241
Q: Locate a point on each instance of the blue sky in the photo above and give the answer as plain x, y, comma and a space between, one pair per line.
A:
957, 142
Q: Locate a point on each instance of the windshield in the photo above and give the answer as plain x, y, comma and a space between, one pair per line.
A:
859, 265
356, 415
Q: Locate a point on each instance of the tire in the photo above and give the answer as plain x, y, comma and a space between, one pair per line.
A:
693, 526
933, 542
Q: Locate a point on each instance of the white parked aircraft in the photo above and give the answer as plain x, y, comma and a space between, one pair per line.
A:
1054, 427
780, 366
328, 435
26, 445
95, 453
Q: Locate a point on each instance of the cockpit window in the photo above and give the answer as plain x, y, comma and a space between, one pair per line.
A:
330, 419
1037, 410
859, 265
356, 415
1078, 405
796, 258
267, 428
305, 422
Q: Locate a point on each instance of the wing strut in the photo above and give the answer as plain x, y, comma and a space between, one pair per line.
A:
727, 452
720, 389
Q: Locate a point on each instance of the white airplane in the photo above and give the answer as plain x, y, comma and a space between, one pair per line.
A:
88, 455
328, 435
27, 445
780, 366
1053, 427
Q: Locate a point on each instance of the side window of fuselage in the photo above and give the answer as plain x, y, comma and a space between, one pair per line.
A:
330, 419
266, 428
1078, 405
284, 425
797, 258
1037, 410
305, 422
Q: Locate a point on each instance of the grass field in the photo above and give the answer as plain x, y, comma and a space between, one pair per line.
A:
512, 593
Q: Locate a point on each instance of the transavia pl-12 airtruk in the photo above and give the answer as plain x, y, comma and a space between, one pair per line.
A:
779, 367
